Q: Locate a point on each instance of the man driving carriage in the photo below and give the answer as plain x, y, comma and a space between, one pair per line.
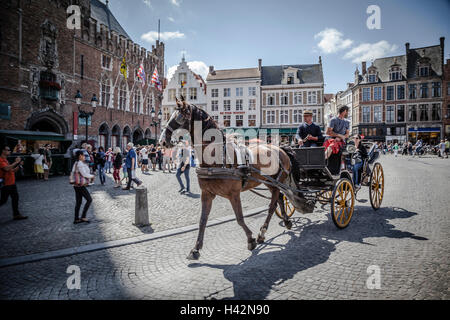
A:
308, 133
339, 131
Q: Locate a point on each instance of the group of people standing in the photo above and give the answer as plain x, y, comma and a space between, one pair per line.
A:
42, 162
158, 155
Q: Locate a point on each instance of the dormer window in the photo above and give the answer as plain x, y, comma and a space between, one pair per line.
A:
395, 73
423, 66
290, 78
424, 71
372, 78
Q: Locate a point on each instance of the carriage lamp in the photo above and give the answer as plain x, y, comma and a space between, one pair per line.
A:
153, 112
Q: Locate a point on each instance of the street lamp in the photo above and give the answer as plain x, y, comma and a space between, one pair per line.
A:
84, 114
156, 123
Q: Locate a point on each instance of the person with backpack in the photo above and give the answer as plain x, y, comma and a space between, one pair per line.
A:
117, 166
100, 159
80, 177
183, 166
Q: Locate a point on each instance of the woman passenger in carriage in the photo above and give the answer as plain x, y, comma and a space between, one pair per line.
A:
339, 131
358, 157
308, 133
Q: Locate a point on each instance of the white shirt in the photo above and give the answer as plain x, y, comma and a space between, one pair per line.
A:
38, 158
83, 169
144, 153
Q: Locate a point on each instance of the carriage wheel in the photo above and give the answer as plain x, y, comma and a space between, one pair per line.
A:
376, 185
342, 203
325, 196
288, 208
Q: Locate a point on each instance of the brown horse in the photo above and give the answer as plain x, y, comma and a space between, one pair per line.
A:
183, 118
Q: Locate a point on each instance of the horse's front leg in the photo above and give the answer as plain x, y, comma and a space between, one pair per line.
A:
272, 207
207, 199
237, 207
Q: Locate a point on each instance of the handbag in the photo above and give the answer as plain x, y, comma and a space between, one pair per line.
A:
77, 179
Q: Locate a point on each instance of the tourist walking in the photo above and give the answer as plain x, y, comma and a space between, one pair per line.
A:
80, 178
117, 166
395, 147
8, 177
144, 155
153, 157
109, 160
183, 166
100, 159
131, 164
167, 155
442, 148
159, 157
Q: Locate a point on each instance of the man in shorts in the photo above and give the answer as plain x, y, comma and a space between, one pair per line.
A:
144, 155
339, 131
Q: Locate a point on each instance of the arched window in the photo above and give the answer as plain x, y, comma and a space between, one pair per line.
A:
123, 96
150, 103
105, 92
137, 101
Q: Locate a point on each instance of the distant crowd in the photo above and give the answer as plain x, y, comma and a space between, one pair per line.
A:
419, 148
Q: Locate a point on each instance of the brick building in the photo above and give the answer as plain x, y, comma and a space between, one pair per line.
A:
446, 107
400, 98
44, 63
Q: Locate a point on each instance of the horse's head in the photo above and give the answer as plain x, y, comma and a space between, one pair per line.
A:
180, 119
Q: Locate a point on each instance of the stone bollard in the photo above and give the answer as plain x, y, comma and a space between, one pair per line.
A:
141, 208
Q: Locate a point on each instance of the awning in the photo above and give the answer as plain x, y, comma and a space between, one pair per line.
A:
424, 130
32, 135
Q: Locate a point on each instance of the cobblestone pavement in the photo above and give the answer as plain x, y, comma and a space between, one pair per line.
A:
408, 238
50, 208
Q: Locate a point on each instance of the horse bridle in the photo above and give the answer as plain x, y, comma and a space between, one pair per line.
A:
180, 119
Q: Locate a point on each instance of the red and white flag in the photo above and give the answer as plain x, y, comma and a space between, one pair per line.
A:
155, 80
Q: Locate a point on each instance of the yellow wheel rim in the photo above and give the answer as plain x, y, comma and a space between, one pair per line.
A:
288, 208
325, 196
343, 203
377, 186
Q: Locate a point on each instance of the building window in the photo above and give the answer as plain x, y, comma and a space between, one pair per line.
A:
412, 91
366, 114
105, 92
215, 93
239, 92
377, 93
252, 91
298, 99
137, 101
123, 96
366, 94
252, 104
284, 98
271, 116
226, 92
252, 120
227, 121
377, 114
150, 105
448, 88
413, 113
290, 78
226, 105
436, 90
390, 93
395, 75
314, 115
239, 120
400, 92
284, 116
436, 112
423, 112
215, 118
214, 105
239, 103
48, 87
106, 62
297, 116
312, 97
172, 93
193, 93
182, 77
424, 90
271, 99
424, 71
372, 78
390, 114
400, 113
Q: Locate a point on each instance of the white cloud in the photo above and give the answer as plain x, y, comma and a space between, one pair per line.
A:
370, 51
147, 3
331, 40
199, 67
171, 19
152, 36
176, 2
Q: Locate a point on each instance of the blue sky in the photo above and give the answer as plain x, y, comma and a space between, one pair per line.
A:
235, 33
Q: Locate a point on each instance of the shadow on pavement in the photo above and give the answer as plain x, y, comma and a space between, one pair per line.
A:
310, 244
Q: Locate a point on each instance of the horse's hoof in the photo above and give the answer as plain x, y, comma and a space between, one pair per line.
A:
288, 224
193, 255
252, 244
260, 239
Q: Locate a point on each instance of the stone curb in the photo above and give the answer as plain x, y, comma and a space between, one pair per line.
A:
121, 242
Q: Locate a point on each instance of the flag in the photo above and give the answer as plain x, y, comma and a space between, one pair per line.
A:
155, 80
183, 83
123, 67
141, 74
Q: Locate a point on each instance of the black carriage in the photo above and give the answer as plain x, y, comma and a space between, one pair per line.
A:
316, 179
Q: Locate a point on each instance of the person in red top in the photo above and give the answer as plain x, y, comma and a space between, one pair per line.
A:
7, 173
